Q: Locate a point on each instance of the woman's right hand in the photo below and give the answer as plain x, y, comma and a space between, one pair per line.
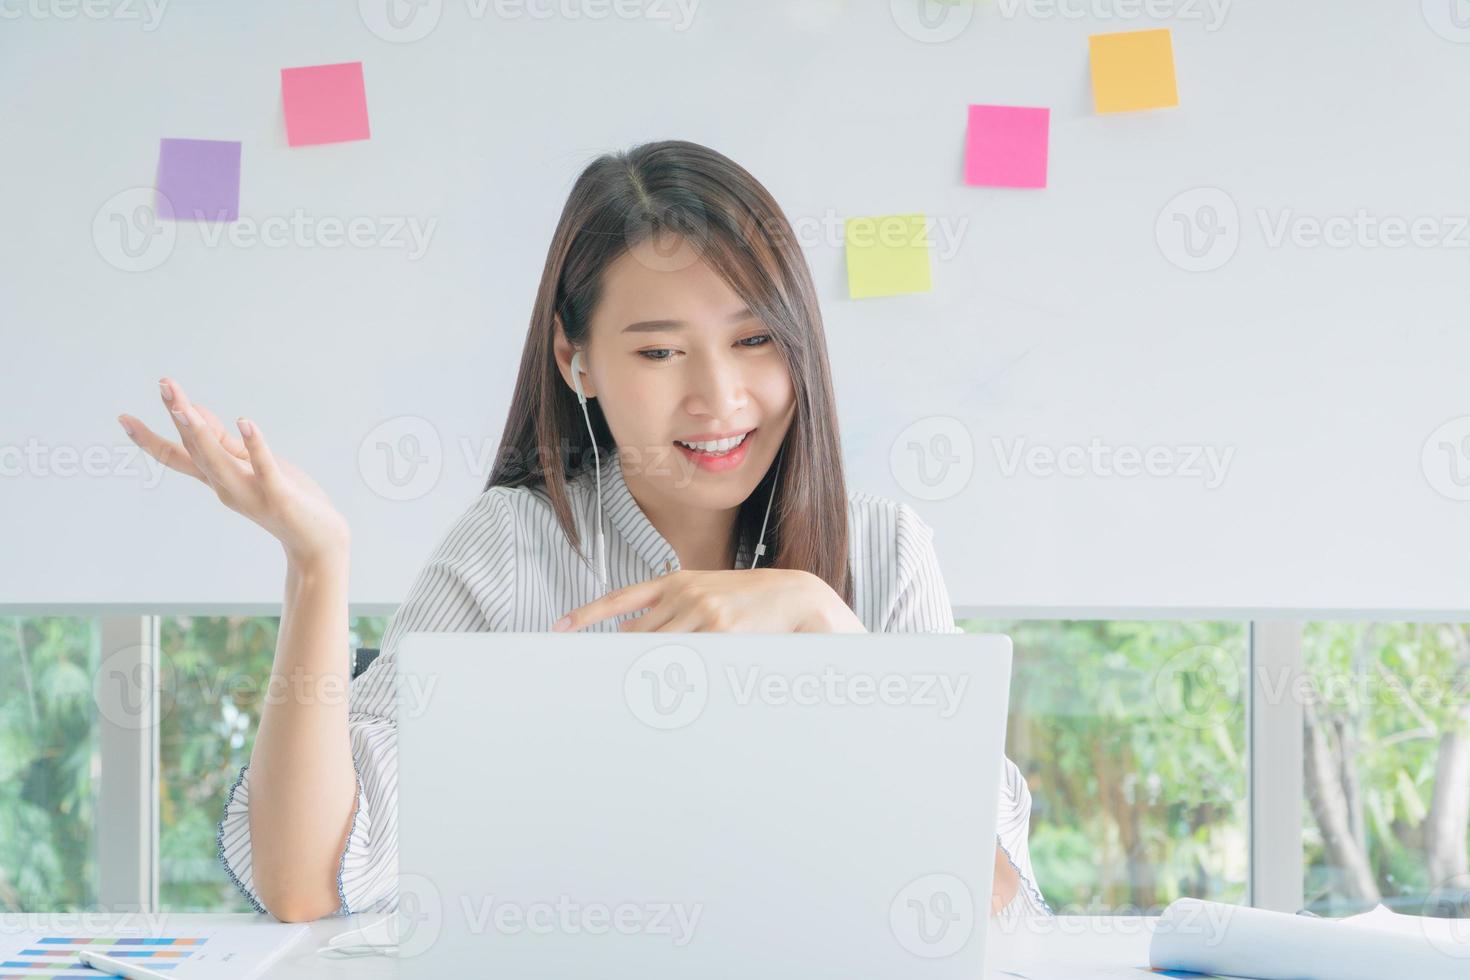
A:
247, 478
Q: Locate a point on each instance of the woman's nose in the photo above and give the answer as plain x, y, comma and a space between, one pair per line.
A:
718, 390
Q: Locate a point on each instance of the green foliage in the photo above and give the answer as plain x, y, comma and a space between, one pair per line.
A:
48, 764
219, 670
1130, 734
214, 675
1136, 801
1385, 693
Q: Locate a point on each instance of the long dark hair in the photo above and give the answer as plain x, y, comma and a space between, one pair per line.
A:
681, 188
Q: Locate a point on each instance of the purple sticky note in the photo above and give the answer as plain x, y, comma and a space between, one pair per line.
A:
1006, 146
324, 104
198, 180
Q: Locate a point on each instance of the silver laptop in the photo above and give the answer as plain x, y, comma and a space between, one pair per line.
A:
698, 805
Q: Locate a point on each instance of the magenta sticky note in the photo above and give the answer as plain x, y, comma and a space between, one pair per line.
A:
324, 104
1006, 146
198, 180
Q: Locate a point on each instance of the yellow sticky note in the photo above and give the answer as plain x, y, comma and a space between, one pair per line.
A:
1133, 70
887, 256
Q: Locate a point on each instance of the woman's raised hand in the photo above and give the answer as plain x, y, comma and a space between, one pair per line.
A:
247, 478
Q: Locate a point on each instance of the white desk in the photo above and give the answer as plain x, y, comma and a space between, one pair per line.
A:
1075, 947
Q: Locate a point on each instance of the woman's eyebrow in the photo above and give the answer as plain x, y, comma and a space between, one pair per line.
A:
652, 326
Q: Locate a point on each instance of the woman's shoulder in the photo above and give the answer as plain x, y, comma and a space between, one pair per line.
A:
502, 504
876, 522
531, 497
868, 509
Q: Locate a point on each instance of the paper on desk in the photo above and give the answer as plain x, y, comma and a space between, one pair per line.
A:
1210, 937
1044, 972
234, 952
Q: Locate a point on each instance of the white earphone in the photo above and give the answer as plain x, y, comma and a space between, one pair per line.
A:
760, 548
597, 459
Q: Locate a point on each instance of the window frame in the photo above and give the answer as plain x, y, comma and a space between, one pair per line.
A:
128, 792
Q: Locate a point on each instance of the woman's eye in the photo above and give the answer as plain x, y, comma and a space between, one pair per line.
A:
667, 353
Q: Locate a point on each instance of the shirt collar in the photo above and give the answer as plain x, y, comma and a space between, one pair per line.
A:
622, 512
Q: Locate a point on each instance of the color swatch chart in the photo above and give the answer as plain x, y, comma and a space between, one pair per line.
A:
197, 950
56, 956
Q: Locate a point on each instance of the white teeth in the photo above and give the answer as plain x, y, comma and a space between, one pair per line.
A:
717, 446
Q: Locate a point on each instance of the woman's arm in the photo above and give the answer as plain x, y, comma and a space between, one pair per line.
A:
466, 585
305, 781
303, 786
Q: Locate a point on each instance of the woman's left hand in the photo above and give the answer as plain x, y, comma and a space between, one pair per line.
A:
750, 600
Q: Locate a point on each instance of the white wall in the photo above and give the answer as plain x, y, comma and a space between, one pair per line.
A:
1057, 315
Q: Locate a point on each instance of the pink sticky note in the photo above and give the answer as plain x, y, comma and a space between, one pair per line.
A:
1006, 146
324, 104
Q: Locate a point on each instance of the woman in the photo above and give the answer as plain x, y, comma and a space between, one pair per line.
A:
674, 404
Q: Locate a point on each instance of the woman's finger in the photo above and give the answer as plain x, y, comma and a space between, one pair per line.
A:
624, 600
223, 471
688, 621
259, 454
653, 620
226, 438
170, 454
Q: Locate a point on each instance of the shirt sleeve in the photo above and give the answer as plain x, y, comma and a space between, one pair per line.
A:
466, 586
921, 605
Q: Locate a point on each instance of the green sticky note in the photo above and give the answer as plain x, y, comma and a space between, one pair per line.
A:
887, 256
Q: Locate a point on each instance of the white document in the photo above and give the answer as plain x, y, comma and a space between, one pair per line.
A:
233, 952
1210, 937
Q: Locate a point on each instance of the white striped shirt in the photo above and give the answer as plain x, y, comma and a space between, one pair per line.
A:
506, 566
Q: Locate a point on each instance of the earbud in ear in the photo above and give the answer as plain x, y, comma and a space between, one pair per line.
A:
577, 377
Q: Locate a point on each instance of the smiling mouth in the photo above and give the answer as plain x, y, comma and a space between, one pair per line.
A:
717, 448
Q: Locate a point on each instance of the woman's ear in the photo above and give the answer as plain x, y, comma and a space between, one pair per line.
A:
563, 350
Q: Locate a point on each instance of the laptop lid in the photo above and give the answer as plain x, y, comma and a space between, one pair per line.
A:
699, 804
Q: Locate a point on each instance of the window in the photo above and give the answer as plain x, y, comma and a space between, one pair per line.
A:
1132, 738
49, 763
214, 674
1386, 727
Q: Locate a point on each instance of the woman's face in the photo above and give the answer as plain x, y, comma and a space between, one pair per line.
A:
673, 356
